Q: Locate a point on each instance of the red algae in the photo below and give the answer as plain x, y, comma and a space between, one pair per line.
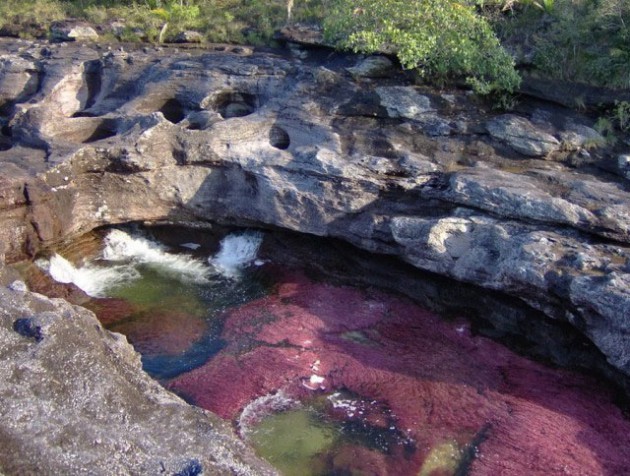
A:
111, 310
159, 332
429, 383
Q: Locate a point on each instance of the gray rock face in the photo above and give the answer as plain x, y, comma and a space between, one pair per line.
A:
256, 139
189, 36
72, 31
522, 136
623, 163
373, 67
78, 392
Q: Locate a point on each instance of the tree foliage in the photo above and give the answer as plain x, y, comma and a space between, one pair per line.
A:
442, 39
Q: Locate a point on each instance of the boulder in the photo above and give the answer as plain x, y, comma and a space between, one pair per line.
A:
373, 67
189, 36
522, 135
302, 34
75, 401
577, 136
72, 31
405, 102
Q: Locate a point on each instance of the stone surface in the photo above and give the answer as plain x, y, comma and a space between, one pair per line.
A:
373, 67
259, 139
189, 36
73, 400
522, 136
72, 31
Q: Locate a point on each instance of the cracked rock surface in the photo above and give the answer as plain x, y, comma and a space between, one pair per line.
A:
74, 400
509, 202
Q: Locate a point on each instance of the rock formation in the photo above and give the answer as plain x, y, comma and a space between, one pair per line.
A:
523, 203
75, 401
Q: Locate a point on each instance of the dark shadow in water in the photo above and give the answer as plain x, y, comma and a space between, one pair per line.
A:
164, 367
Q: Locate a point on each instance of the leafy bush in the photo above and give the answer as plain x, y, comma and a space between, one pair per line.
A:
442, 39
29, 18
578, 40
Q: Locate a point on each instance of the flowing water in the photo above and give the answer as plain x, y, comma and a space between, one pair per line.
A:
326, 378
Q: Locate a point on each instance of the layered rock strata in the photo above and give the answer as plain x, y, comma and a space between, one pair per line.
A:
517, 202
527, 203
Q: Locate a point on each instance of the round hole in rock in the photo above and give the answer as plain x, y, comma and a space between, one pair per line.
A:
105, 129
83, 114
279, 138
173, 111
235, 104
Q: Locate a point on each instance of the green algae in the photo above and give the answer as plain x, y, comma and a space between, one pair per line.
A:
292, 441
153, 289
444, 459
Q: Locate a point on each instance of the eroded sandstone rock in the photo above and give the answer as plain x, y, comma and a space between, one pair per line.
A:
262, 140
72, 31
73, 400
523, 136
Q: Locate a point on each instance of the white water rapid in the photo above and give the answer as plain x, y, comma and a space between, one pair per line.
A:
125, 252
93, 280
120, 246
238, 251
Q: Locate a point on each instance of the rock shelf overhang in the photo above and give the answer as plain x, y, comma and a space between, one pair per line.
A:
519, 203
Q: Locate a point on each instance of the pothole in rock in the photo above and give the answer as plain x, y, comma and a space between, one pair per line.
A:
104, 129
234, 104
173, 110
327, 375
6, 140
279, 138
87, 129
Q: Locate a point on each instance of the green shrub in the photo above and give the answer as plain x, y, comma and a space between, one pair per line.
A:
30, 18
442, 39
578, 40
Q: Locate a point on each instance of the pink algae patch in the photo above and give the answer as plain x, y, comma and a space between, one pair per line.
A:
437, 382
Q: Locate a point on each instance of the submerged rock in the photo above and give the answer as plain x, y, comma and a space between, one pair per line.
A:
238, 136
435, 396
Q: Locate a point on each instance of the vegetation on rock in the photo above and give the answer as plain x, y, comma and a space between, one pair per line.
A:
439, 38
577, 40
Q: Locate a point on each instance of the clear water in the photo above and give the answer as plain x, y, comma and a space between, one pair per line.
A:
334, 380
317, 437
157, 283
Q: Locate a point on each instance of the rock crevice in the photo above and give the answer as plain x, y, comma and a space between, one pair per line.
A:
517, 203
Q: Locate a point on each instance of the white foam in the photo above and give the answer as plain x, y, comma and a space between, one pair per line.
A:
237, 252
126, 253
120, 246
261, 407
94, 280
